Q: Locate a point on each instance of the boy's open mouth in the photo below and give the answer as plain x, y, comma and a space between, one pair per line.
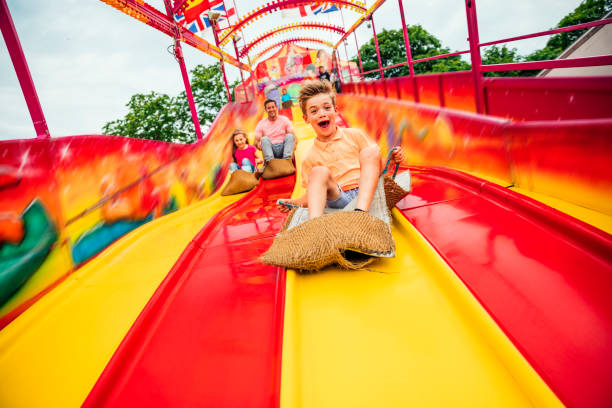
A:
324, 124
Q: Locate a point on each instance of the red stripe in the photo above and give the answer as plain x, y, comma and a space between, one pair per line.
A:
544, 276
211, 334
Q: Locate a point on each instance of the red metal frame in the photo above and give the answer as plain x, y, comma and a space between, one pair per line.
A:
549, 32
470, 9
408, 53
358, 55
214, 30
178, 53
477, 67
300, 26
23, 72
418, 60
246, 96
382, 76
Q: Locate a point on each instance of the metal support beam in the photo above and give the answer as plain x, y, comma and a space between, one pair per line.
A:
382, 76
246, 95
178, 52
408, 52
23, 72
358, 56
214, 30
470, 9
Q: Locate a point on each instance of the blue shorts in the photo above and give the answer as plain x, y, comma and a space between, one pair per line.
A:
345, 198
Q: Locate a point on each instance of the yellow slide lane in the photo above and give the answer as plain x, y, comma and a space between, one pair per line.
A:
405, 332
52, 355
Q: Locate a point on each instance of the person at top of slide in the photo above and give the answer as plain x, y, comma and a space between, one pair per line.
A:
274, 134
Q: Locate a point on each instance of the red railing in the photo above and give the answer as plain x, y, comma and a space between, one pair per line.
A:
479, 97
516, 98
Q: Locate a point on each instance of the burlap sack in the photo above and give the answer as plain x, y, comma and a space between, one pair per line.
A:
394, 191
348, 238
277, 168
240, 182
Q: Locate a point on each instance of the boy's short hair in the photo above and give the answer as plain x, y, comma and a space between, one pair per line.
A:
268, 101
314, 88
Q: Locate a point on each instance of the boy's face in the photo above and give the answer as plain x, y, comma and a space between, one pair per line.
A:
271, 110
321, 115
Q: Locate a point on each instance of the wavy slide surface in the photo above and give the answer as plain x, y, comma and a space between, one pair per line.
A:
194, 318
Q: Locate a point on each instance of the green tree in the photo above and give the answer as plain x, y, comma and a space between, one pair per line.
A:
588, 10
393, 51
158, 116
501, 55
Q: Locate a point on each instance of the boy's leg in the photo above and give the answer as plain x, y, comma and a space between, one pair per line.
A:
266, 149
288, 146
321, 187
369, 161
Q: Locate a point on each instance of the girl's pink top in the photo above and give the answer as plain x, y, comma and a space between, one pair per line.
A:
248, 153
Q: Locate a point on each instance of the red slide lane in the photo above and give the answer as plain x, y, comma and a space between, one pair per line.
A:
544, 276
212, 332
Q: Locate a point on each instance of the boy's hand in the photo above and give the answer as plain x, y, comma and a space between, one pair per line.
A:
288, 205
398, 155
258, 161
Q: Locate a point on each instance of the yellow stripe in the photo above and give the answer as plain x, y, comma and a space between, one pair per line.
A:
592, 217
404, 332
52, 355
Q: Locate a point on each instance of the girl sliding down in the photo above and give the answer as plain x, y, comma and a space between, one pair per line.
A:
243, 153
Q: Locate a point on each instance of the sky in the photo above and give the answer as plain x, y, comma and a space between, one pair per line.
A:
86, 58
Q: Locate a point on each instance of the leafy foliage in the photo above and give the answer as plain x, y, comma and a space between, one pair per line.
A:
501, 55
588, 10
392, 51
158, 116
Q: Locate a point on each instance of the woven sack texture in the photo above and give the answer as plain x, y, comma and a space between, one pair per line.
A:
240, 181
337, 238
395, 190
277, 168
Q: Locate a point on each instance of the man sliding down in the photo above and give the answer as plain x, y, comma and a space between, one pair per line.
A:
274, 134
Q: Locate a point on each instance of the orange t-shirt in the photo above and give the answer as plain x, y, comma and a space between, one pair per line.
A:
340, 155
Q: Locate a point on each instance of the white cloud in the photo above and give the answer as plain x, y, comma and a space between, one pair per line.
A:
87, 59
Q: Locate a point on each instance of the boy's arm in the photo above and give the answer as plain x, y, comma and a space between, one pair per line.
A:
363, 141
300, 202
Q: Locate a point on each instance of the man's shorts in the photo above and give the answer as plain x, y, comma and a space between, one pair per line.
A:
345, 198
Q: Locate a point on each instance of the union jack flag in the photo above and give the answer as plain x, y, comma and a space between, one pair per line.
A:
309, 10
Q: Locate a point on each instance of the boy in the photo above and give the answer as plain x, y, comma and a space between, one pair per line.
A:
342, 163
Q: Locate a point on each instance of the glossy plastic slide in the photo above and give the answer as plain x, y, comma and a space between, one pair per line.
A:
54, 352
403, 332
181, 312
211, 334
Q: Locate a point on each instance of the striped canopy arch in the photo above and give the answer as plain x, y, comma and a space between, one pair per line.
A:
290, 27
280, 5
291, 41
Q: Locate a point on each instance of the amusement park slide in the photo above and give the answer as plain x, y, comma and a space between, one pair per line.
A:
181, 311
